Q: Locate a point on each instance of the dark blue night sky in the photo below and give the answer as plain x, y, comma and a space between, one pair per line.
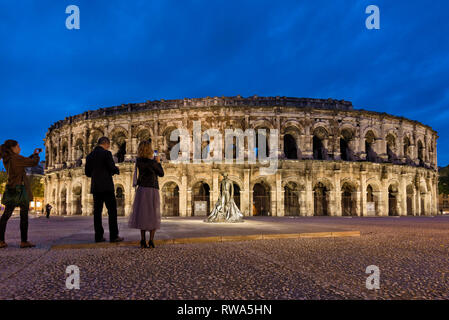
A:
134, 51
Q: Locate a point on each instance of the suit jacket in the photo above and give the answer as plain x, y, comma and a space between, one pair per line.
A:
15, 166
101, 167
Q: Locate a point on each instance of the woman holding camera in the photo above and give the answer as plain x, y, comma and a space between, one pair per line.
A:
146, 214
15, 165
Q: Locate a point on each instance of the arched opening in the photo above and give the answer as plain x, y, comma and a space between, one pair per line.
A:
119, 146
391, 149
170, 195
79, 152
392, 200
370, 139
410, 193
64, 202
320, 200
95, 135
261, 200
65, 154
346, 153
77, 201
290, 147
120, 195
348, 200
421, 153
236, 194
319, 138
422, 202
200, 199
143, 135
406, 147
262, 142
170, 145
291, 199
371, 202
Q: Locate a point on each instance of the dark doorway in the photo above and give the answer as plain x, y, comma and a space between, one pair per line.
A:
261, 199
290, 147
320, 201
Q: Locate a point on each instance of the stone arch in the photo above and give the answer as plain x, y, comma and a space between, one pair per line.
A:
348, 199
261, 125
347, 136
320, 141
261, 198
421, 152
370, 141
78, 151
63, 204
77, 201
120, 196
372, 199
291, 199
410, 195
392, 147
167, 143
64, 153
321, 199
406, 144
200, 194
393, 195
119, 135
143, 133
170, 199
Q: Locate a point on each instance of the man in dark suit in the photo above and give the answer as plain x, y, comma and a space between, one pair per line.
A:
101, 167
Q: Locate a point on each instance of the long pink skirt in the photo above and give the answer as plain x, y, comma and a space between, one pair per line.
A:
146, 214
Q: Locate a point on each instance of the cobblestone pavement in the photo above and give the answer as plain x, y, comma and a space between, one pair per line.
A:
411, 252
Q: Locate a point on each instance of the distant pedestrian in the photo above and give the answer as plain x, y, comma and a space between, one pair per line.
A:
101, 167
17, 191
47, 210
146, 212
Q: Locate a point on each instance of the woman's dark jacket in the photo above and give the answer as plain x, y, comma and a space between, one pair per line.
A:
15, 165
149, 170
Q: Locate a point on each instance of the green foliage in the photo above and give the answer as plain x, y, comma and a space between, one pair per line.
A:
443, 180
37, 187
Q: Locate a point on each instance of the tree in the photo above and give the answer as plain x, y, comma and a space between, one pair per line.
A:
37, 187
443, 180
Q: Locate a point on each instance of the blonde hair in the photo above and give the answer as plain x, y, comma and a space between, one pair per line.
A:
145, 150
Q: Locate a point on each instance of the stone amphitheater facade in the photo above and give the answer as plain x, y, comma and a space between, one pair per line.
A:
333, 159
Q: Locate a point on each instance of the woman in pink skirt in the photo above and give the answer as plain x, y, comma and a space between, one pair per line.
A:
146, 214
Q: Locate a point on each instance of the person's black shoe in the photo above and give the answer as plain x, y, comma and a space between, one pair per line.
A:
100, 240
151, 244
118, 239
143, 244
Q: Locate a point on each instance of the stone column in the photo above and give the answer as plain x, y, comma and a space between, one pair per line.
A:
189, 211
337, 192
215, 185
358, 202
303, 203
363, 186
402, 196
309, 196
280, 210
245, 202
183, 196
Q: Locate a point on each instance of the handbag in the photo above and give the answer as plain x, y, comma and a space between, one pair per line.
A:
15, 196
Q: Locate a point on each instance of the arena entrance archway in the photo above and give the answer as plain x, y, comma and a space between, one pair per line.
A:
371, 198
201, 193
410, 193
291, 199
392, 200
261, 199
63, 202
120, 196
348, 200
170, 197
77, 201
290, 147
320, 200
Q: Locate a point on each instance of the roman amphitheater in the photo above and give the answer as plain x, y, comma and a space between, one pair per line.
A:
333, 159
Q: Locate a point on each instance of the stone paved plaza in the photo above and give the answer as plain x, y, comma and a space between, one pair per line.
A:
411, 252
